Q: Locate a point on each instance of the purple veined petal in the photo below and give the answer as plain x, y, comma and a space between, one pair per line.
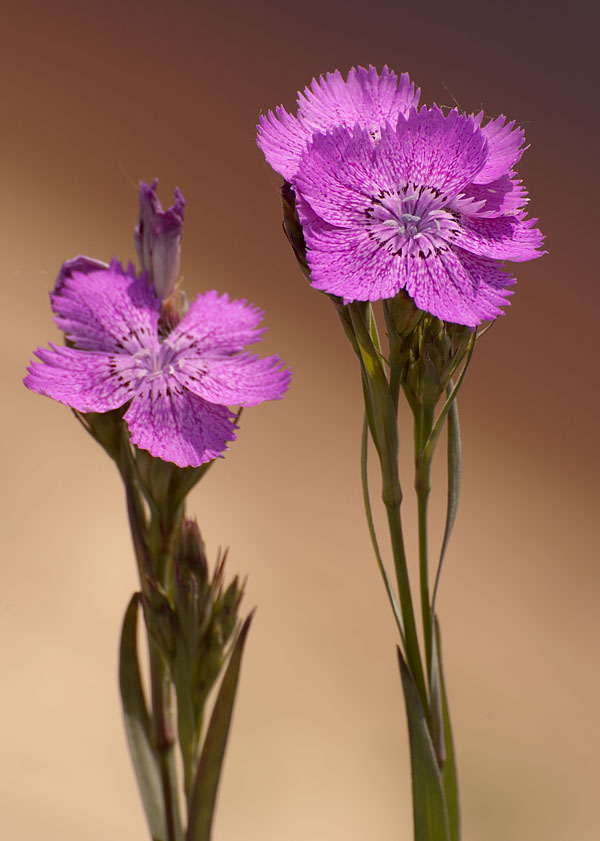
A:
347, 262
216, 326
504, 196
503, 238
108, 309
282, 139
79, 264
433, 150
243, 380
456, 286
175, 425
337, 176
505, 147
364, 98
83, 380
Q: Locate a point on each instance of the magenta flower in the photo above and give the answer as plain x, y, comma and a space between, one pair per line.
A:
364, 99
178, 388
391, 198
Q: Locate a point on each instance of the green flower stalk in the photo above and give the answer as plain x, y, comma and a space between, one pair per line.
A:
411, 209
152, 381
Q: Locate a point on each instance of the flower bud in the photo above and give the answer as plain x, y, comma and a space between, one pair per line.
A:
436, 350
158, 238
191, 566
402, 318
292, 227
160, 620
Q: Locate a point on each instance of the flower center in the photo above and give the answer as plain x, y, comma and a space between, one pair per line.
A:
411, 220
151, 363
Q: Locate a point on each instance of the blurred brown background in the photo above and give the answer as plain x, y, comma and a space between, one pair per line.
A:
94, 97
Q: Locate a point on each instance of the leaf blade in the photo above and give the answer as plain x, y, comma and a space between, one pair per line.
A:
206, 783
429, 805
137, 725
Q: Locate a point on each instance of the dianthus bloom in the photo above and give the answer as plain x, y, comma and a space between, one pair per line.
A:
424, 202
178, 387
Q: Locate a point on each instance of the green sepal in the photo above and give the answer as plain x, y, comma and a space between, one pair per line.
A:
138, 725
429, 804
206, 783
105, 428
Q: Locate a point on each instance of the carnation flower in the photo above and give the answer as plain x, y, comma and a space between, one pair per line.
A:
393, 198
178, 387
364, 99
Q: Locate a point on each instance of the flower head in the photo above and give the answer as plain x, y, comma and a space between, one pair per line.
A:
364, 98
158, 238
178, 388
404, 199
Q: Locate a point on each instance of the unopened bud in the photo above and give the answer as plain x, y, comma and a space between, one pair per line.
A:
292, 227
437, 349
158, 239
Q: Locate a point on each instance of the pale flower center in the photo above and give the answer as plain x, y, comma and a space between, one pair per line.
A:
412, 221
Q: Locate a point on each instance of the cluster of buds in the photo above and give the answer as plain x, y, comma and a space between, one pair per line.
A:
425, 350
192, 622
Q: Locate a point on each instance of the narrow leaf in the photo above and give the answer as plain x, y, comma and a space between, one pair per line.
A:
454, 479
206, 784
449, 774
429, 806
137, 725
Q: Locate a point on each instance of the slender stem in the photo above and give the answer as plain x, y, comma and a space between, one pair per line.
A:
411, 643
383, 422
164, 741
369, 514
422, 430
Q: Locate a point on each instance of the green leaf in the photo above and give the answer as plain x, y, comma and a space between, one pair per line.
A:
449, 774
138, 726
429, 805
206, 784
454, 479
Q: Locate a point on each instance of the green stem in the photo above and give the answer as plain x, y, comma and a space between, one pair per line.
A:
164, 741
383, 423
411, 642
422, 430
369, 514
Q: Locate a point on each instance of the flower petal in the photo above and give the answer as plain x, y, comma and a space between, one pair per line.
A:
505, 195
347, 262
504, 238
337, 175
282, 139
364, 98
431, 150
505, 147
108, 310
175, 425
243, 380
214, 326
83, 380
456, 286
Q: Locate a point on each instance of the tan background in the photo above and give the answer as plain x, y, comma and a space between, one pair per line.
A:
96, 96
